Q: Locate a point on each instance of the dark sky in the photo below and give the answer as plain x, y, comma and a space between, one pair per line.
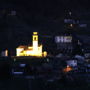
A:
47, 8
48, 5
45, 13
48, 14
41, 12
36, 15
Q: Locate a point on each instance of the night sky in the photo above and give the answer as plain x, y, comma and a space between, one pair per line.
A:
44, 16
39, 13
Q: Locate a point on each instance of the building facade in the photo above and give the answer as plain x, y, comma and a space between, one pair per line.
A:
34, 50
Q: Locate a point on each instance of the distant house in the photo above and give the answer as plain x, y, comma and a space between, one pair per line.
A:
64, 43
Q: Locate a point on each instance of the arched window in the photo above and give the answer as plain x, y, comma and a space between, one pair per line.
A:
35, 38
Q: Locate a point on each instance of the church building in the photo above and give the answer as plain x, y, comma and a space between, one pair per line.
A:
34, 50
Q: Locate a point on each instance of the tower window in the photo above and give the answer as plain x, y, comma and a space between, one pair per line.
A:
35, 38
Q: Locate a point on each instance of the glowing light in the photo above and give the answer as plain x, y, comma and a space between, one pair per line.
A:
70, 13
35, 50
71, 25
44, 53
6, 53
35, 32
67, 69
19, 50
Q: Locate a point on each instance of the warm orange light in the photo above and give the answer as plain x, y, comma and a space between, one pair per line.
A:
67, 69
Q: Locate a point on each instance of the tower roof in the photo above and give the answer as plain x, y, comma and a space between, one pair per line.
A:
35, 33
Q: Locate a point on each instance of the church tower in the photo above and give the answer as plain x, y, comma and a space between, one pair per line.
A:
35, 41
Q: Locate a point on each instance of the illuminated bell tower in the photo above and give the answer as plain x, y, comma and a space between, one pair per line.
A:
35, 42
